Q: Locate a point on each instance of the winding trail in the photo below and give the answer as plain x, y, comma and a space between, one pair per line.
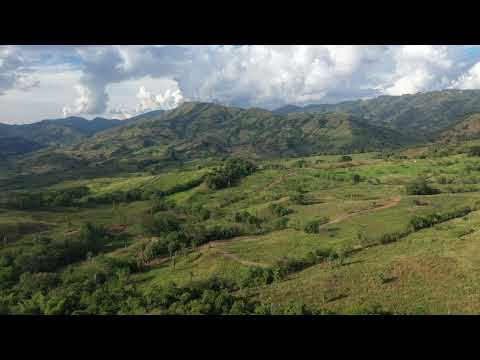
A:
279, 179
391, 203
213, 248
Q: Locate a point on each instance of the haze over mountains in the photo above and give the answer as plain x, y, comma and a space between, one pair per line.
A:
54, 132
205, 129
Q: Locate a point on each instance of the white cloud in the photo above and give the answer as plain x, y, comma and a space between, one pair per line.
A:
56, 86
470, 79
260, 75
170, 99
422, 67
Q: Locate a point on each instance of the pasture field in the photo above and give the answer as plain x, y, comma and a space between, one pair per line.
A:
263, 219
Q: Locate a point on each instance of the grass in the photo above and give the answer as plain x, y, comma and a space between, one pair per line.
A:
434, 270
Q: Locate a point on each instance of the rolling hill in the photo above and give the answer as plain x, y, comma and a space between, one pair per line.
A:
466, 129
200, 129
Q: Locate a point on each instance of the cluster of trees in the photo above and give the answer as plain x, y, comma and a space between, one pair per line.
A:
244, 217
52, 198
233, 170
106, 289
416, 223
280, 210
338, 177
175, 236
45, 255
420, 187
116, 196
258, 276
422, 222
142, 194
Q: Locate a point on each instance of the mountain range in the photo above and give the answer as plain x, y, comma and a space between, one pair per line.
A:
422, 114
196, 129
52, 132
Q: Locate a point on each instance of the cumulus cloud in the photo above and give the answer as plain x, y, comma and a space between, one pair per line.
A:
422, 67
13, 70
470, 79
170, 99
260, 75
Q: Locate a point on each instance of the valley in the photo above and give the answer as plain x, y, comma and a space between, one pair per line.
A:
209, 209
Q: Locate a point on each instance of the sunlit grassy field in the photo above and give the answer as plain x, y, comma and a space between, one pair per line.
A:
434, 270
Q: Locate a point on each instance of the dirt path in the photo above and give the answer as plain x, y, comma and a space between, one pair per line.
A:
212, 247
279, 179
390, 203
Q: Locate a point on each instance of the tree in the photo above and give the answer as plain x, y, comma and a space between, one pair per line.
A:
233, 170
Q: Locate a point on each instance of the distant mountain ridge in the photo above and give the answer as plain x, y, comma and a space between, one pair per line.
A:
423, 113
51, 132
201, 129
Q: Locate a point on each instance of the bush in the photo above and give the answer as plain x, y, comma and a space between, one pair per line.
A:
422, 222
159, 224
345, 158
247, 218
356, 178
420, 187
280, 210
160, 204
297, 198
313, 227
474, 151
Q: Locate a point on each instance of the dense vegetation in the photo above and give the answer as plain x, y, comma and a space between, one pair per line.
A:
188, 212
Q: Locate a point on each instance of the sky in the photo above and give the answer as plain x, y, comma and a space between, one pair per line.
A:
115, 81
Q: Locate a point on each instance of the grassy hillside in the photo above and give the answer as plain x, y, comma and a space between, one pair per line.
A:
207, 209
200, 129
319, 234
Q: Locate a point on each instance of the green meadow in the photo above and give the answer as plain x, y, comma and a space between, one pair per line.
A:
430, 270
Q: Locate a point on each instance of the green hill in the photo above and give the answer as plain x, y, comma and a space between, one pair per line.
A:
55, 132
16, 145
423, 113
466, 129
202, 129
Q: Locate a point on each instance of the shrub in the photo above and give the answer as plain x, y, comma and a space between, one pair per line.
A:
345, 158
313, 227
280, 210
474, 151
247, 218
355, 178
160, 204
159, 224
297, 198
420, 187
422, 222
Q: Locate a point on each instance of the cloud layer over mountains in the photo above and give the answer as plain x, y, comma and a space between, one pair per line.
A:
127, 80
